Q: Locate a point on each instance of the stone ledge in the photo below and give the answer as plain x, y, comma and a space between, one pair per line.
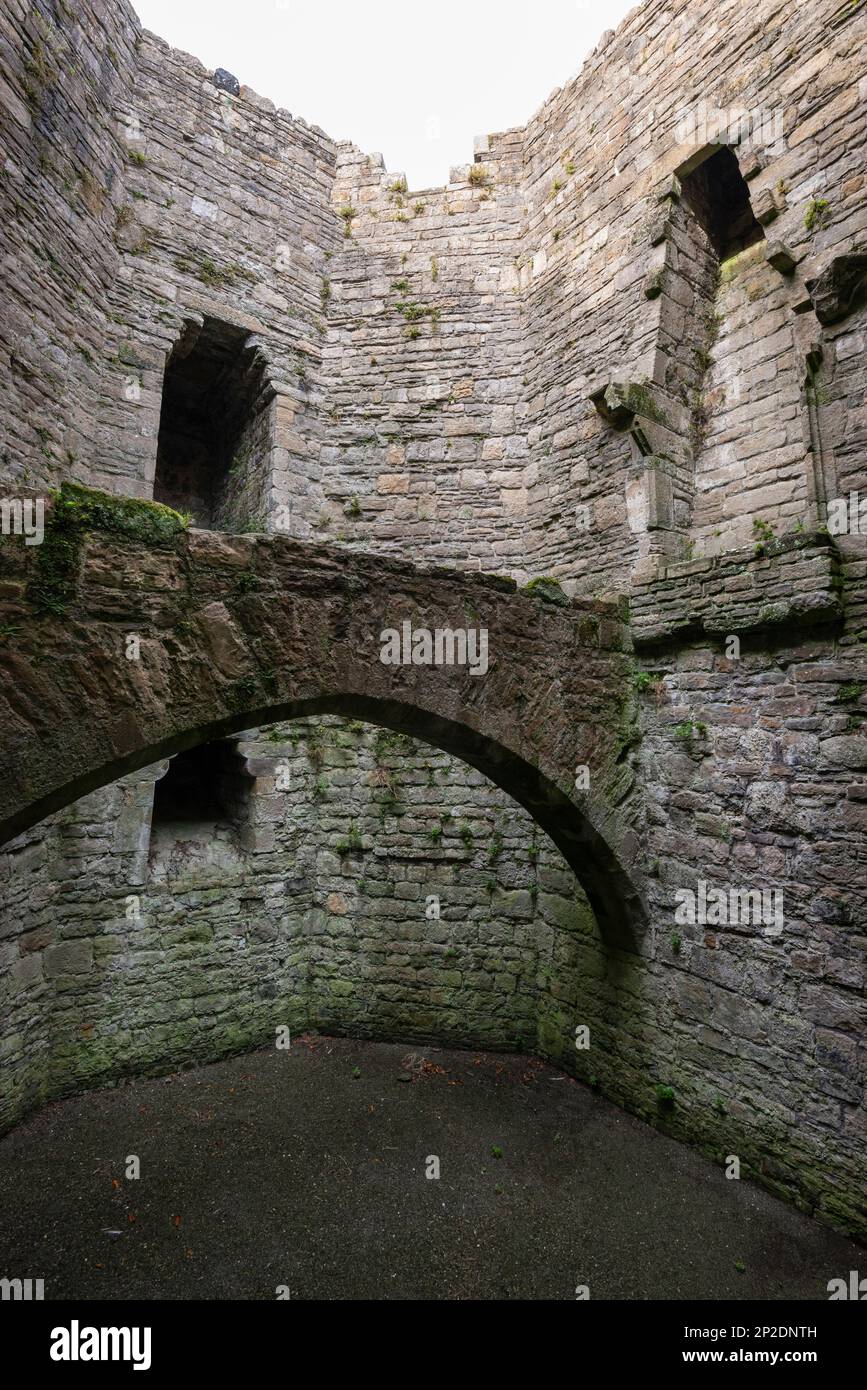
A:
792, 582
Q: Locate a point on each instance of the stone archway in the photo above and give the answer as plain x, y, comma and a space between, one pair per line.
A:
140, 639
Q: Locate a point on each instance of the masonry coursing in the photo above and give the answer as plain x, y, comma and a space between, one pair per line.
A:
432, 361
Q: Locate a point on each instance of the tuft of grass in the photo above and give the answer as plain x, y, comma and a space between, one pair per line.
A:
352, 843
765, 534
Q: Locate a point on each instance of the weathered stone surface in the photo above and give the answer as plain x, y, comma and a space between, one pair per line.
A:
426, 366
304, 634
227, 82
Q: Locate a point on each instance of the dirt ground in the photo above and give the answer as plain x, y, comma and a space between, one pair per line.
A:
306, 1170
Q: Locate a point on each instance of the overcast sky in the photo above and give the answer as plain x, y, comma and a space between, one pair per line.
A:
414, 81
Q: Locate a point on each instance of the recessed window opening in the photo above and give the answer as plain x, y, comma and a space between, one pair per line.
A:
204, 792
213, 439
719, 196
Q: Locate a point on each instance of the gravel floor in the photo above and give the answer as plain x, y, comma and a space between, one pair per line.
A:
306, 1169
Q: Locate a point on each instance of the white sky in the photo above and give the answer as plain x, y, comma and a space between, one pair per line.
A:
414, 81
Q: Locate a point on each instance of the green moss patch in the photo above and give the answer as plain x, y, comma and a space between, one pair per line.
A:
548, 589
77, 510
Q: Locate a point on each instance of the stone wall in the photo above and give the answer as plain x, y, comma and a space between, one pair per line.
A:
542, 368
62, 80
367, 884
312, 913
609, 293
429, 358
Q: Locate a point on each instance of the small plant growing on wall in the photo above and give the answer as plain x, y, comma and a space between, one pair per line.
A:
848, 694
689, 730
353, 841
765, 534
496, 848
247, 583
646, 680
817, 214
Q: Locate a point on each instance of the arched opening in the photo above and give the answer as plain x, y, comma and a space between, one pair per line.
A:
381, 889
214, 436
573, 828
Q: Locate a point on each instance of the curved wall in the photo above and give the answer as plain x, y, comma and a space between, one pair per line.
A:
430, 360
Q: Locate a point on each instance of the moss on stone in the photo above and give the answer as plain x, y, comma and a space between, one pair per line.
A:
548, 589
77, 510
